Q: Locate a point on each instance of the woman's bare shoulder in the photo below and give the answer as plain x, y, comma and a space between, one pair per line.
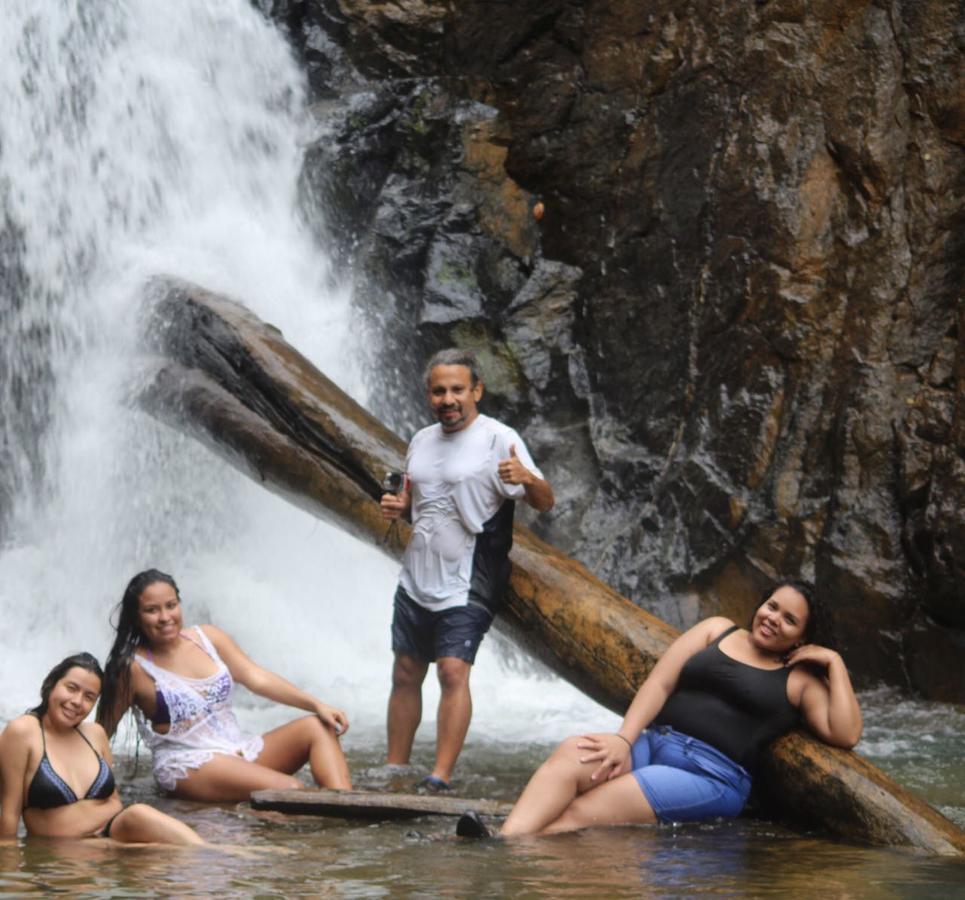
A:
22, 725
93, 732
701, 635
136, 670
23, 729
714, 626
213, 632
221, 640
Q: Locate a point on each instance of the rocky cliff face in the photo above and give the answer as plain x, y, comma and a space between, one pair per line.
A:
735, 339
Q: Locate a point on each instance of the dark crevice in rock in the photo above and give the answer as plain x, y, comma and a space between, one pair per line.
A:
742, 306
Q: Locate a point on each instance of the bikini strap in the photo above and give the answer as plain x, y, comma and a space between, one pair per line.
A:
724, 634
205, 644
87, 741
149, 655
161, 675
200, 644
43, 737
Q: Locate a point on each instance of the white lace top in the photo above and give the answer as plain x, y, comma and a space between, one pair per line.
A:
202, 720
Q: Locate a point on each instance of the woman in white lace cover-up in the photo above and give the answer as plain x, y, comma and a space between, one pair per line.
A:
179, 682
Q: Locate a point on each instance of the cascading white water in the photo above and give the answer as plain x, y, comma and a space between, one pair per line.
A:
139, 138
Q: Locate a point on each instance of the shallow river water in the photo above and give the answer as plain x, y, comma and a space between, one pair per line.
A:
272, 855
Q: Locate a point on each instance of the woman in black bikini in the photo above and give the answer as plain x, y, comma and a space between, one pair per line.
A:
55, 769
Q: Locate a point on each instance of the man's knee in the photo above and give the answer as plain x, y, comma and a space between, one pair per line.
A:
453, 673
408, 672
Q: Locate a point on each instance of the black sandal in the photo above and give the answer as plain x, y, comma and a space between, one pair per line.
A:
471, 825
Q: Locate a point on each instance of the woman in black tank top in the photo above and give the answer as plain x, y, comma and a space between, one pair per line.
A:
689, 742
55, 769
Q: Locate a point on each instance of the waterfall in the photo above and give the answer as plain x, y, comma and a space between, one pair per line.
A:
142, 138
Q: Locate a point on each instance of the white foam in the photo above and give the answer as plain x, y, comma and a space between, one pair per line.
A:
140, 138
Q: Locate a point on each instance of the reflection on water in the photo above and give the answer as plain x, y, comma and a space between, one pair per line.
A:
270, 854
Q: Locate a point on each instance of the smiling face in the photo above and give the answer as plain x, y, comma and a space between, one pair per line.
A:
452, 397
159, 613
73, 697
780, 621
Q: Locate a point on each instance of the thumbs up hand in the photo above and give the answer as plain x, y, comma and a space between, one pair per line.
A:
512, 471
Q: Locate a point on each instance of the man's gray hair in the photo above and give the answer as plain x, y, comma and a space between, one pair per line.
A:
454, 356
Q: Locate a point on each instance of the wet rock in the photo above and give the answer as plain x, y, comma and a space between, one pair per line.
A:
929, 647
452, 290
755, 364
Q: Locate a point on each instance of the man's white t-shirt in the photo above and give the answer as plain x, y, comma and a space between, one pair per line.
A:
456, 496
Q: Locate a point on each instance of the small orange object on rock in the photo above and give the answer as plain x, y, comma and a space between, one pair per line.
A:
538, 210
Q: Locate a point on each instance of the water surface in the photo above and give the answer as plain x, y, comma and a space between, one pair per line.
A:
290, 856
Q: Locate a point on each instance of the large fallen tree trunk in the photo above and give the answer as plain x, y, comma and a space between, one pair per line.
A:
233, 382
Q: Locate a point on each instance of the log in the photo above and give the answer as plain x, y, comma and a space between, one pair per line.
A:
372, 804
233, 382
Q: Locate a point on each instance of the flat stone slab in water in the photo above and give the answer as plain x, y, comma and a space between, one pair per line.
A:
372, 804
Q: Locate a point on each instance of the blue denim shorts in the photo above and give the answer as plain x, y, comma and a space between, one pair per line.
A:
428, 635
686, 780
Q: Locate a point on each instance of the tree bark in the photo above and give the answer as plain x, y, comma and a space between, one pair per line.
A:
234, 383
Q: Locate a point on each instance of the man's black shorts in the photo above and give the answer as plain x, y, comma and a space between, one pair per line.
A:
427, 635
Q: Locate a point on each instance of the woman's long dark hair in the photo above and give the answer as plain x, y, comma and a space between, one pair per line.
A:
117, 670
85, 661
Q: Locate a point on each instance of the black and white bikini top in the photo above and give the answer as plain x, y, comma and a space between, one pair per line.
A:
48, 790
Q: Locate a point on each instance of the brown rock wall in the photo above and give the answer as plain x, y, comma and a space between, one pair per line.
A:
735, 338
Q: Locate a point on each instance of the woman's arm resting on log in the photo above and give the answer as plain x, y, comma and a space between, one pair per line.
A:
613, 750
828, 704
267, 684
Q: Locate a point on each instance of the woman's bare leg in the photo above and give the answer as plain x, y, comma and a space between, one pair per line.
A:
143, 824
224, 779
229, 779
553, 788
289, 747
616, 802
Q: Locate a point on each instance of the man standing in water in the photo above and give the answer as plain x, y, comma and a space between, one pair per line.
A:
463, 476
